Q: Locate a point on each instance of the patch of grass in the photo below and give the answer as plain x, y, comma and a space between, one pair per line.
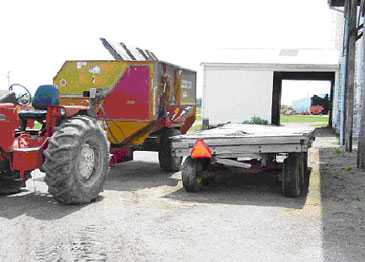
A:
338, 151
195, 127
255, 120
198, 112
348, 169
318, 125
315, 120
198, 121
323, 119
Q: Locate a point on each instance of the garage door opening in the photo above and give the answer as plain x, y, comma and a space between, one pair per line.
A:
305, 103
303, 98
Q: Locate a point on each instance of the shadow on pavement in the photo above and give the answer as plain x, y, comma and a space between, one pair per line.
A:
232, 186
38, 205
136, 175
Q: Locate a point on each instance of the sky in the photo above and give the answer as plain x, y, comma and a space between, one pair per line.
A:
38, 36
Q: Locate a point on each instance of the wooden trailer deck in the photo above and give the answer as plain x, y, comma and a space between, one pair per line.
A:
235, 140
227, 144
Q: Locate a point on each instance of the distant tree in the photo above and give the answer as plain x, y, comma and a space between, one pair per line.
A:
287, 110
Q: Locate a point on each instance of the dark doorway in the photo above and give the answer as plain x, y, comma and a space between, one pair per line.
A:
277, 88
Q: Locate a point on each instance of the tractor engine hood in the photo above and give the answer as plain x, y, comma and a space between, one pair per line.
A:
8, 123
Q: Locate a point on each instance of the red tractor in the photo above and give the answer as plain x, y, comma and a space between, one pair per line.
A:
320, 105
141, 101
316, 109
68, 145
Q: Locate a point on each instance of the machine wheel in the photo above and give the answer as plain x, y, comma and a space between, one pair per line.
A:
76, 161
293, 175
11, 183
305, 163
10, 186
191, 174
167, 161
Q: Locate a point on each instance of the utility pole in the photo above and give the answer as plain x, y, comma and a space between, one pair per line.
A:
351, 16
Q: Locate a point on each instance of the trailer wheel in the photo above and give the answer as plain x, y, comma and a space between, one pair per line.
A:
167, 161
305, 163
191, 174
76, 161
293, 175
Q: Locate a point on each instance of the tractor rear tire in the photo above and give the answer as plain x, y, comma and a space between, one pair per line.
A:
167, 161
190, 174
76, 161
293, 175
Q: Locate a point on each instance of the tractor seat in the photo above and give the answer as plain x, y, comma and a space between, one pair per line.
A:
33, 114
46, 95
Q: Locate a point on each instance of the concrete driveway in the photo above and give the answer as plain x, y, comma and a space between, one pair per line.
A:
145, 215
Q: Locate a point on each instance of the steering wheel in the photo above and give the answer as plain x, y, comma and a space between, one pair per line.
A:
22, 94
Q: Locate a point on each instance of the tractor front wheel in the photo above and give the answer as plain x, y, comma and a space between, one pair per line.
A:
76, 161
10, 186
167, 161
11, 182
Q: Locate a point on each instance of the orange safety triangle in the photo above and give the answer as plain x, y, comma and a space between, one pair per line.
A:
201, 150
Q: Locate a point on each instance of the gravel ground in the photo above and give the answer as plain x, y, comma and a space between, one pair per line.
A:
145, 215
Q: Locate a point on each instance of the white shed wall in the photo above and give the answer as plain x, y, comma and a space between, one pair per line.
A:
236, 95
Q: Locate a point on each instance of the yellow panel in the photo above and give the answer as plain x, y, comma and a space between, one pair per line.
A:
120, 131
74, 101
75, 77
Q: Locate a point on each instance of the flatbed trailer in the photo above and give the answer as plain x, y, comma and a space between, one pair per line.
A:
231, 144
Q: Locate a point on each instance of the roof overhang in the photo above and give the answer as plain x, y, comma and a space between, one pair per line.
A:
339, 3
272, 67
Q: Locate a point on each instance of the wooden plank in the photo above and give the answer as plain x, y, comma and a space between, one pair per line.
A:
189, 142
233, 136
239, 134
350, 77
257, 149
239, 140
361, 139
255, 130
243, 150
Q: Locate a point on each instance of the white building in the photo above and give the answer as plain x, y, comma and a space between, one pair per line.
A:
237, 87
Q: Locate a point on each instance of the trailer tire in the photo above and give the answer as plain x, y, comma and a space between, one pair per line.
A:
76, 161
167, 161
293, 175
305, 164
191, 179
